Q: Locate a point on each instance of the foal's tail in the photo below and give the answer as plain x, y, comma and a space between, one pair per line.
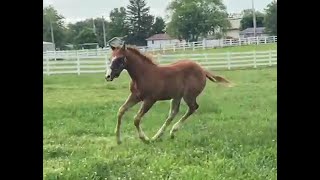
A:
218, 79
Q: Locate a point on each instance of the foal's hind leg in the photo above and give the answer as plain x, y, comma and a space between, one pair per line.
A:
146, 105
193, 106
174, 109
130, 102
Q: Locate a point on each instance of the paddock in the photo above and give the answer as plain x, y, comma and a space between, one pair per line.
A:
236, 139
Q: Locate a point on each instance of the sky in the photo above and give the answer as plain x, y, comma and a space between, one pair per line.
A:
77, 10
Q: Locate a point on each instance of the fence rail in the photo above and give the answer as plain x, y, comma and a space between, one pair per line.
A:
205, 44
80, 64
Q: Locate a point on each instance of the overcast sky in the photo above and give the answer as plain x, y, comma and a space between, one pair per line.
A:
76, 10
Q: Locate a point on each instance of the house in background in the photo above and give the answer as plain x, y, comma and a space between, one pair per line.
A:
48, 46
234, 30
249, 32
161, 40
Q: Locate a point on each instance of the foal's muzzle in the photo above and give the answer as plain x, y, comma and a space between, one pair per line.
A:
108, 78
111, 77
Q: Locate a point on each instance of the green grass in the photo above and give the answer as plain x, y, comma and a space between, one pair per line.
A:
232, 136
245, 48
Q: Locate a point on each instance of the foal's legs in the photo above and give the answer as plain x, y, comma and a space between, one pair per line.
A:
130, 102
146, 105
174, 109
193, 106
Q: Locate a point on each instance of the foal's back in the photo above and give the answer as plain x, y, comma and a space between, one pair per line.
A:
181, 78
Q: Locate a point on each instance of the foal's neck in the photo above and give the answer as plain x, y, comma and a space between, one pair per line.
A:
138, 69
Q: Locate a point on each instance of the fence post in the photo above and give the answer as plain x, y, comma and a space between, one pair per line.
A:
204, 44
47, 66
193, 46
78, 64
239, 41
265, 40
229, 60
174, 48
254, 59
55, 55
158, 58
270, 64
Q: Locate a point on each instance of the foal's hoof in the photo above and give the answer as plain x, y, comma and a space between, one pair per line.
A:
172, 135
145, 140
156, 139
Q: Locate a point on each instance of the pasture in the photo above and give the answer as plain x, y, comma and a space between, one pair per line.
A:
243, 48
233, 135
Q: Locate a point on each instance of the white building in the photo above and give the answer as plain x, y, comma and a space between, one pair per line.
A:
48, 46
234, 30
161, 40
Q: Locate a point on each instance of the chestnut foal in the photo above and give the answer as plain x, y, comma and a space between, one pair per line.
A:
151, 82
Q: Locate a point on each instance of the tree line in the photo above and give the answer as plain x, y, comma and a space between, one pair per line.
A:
188, 19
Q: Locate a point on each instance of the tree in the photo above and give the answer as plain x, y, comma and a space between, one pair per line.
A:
247, 19
118, 26
80, 30
271, 18
193, 18
86, 35
140, 22
95, 25
158, 26
51, 17
99, 30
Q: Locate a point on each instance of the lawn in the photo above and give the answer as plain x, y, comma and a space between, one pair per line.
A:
244, 48
233, 135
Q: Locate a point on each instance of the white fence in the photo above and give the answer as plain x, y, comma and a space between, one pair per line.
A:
171, 47
80, 63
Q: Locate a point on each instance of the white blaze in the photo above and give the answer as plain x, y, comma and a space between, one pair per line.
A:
108, 69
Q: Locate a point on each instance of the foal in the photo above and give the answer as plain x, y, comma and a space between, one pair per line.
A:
151, 83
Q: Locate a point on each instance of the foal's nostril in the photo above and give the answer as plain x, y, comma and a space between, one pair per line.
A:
108, 76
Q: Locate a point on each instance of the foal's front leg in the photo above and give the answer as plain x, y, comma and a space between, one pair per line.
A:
146, 105
130, 102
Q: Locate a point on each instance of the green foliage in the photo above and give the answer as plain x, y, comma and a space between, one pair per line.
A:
99, 30
140, 22
50, 15
271, 18
118, 27
192, 18
86, 35
158, 26
247, 19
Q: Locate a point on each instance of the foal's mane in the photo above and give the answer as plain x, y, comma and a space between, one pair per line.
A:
145, 58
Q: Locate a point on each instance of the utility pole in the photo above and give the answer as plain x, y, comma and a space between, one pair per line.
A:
254, 19
52, 37
104, 33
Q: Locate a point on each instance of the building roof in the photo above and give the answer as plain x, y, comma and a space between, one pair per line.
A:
163, 36
44, 42
259, 30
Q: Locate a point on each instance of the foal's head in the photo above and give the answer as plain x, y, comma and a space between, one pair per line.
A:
117, 63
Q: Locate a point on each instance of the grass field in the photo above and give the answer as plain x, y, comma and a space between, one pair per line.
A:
232, 136
245, 48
